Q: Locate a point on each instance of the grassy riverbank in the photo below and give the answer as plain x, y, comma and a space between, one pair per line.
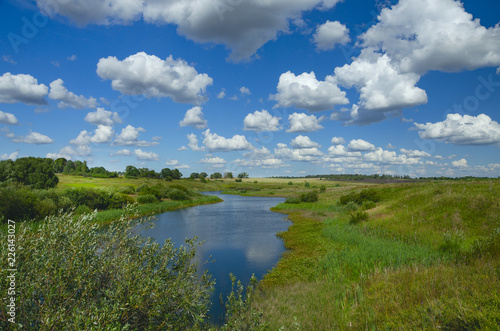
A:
427, 256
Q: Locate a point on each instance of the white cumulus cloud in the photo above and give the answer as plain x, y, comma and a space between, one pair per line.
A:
306, 92
33, 138
143, 74
8, 118
194, 117
338, 141
145, 156
462, 130
462, 163
360, 145
425, 35
129, 136
300, 122
261, 121
68, 99
214, 142
329, 34
303, 142
103, 117
22, 88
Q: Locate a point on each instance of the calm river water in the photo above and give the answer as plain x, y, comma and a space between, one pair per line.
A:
239, 234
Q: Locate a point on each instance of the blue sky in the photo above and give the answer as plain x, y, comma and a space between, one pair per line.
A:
281, 87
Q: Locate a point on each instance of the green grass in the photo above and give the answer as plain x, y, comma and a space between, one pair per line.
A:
427, 257
107, 216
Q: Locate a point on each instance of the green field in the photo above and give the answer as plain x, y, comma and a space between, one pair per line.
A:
423, 255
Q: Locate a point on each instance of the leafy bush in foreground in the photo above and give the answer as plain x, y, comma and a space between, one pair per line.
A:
309, 196
76, 275
358, 198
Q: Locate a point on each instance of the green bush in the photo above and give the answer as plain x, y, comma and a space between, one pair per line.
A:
358, 198
307, 184
368, 205
309, 196
76, 275
128, 189
176, 194
238, 180
292, 200
358, 216
351, 206
147, 198
290, 183
82, 209
17, 203
322, 188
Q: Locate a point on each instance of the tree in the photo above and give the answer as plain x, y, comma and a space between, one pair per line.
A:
216, 175
243, 175
131, 171
59, 165
194, 175
228, 175
176, 174
203, 175
166, 174
34, 172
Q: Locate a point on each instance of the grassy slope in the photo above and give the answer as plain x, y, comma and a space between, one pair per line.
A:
405, 267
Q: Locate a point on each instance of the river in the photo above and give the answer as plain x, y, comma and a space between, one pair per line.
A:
239, 233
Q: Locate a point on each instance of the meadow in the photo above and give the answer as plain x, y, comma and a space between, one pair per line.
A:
422, 255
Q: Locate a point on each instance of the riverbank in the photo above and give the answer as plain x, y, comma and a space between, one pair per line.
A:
426, 256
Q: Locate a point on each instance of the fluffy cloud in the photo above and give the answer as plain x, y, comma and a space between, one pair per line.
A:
193, 143
194, 117
300, 122
129, 136
145, 156
306, 92
33, 138
261, 121
8, 118
264, 163
103, 134
214, 142
12, 156
303, 142
462, 130
103, 117
329, 34
460, 163
338, 141
215, 162
22, 88
301, 154
123, 152
176, 164
143, 74
389, 157
360, 145
69, 99
245, 90
68, 152
425, 35
382, 87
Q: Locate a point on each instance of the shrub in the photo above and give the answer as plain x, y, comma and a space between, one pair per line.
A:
292, 200
17, 203
368, 205
176, 194
128, 189
133, 283
307, 184
351, 206
147, 198
152, 190
290, 183
239, 180
364, 195
322, 188
309, 196
358, 216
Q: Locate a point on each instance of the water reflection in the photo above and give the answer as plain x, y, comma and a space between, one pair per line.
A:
239, 233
